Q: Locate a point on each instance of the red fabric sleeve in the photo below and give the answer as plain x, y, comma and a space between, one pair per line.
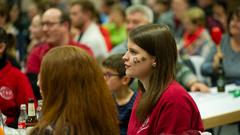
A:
24, 90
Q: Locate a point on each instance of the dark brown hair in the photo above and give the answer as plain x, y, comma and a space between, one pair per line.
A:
115, 62
8, 39
3, 10
87, 7
235, 12
158, 42
75, 95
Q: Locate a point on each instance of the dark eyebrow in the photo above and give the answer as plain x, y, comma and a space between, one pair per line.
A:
132, 49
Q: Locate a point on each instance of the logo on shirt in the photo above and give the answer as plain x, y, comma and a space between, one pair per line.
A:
144, 126
6, 93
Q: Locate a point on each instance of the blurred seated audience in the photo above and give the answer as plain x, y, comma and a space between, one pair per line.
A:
105, 9
33, 10
196, 39
55, 26
138, 15
83, 16
36, 33
230, 53
8, 16
117, 25
211, 14
159, 7
220, 13
173, 17
188, 79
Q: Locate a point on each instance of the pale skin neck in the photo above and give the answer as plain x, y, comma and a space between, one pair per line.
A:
64, 40
145, 82
123, 95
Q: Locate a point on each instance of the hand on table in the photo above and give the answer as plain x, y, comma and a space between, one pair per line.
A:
198, 86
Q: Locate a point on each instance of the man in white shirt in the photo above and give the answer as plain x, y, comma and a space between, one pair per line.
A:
83, 17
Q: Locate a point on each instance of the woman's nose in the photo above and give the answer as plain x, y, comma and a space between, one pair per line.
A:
125, 57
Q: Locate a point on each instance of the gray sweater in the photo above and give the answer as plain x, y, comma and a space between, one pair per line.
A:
231, 61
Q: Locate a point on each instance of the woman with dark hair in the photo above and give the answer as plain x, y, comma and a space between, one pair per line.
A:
76, 99
15, 88
162, 106
230, 53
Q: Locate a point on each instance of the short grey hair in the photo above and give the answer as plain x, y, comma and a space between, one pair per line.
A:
146, 11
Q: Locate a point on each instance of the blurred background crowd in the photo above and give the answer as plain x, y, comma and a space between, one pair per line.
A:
101, 28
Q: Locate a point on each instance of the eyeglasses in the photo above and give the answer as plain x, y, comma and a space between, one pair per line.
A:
109, 74
49, 24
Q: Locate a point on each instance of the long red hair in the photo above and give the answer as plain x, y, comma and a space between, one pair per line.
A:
75, 95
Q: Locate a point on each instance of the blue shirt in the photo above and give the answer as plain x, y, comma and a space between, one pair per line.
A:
125, 113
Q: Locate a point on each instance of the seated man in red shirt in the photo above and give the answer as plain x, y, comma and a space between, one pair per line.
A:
55, 25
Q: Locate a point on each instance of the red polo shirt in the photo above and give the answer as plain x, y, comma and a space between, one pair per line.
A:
35, 57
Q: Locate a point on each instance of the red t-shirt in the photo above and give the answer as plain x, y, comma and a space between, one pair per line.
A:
35, 57
174, 113
15, 90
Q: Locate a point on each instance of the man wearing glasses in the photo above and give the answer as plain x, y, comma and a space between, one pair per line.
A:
55, 26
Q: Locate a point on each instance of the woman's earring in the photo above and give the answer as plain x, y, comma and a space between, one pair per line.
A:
154, 65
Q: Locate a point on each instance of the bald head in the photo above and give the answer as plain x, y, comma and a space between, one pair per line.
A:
55, 26
53, 13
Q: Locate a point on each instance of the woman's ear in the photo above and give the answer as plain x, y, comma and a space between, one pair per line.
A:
154, 61
2, 48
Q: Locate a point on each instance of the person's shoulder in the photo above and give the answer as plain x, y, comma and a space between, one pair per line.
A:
175, 90
119, 49
39, 47
82, 46
14, 71
225, 39
175, 94
225, 42
174, 85
166, 16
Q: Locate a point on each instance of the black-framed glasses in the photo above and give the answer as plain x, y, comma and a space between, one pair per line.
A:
50, 24
109, 74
